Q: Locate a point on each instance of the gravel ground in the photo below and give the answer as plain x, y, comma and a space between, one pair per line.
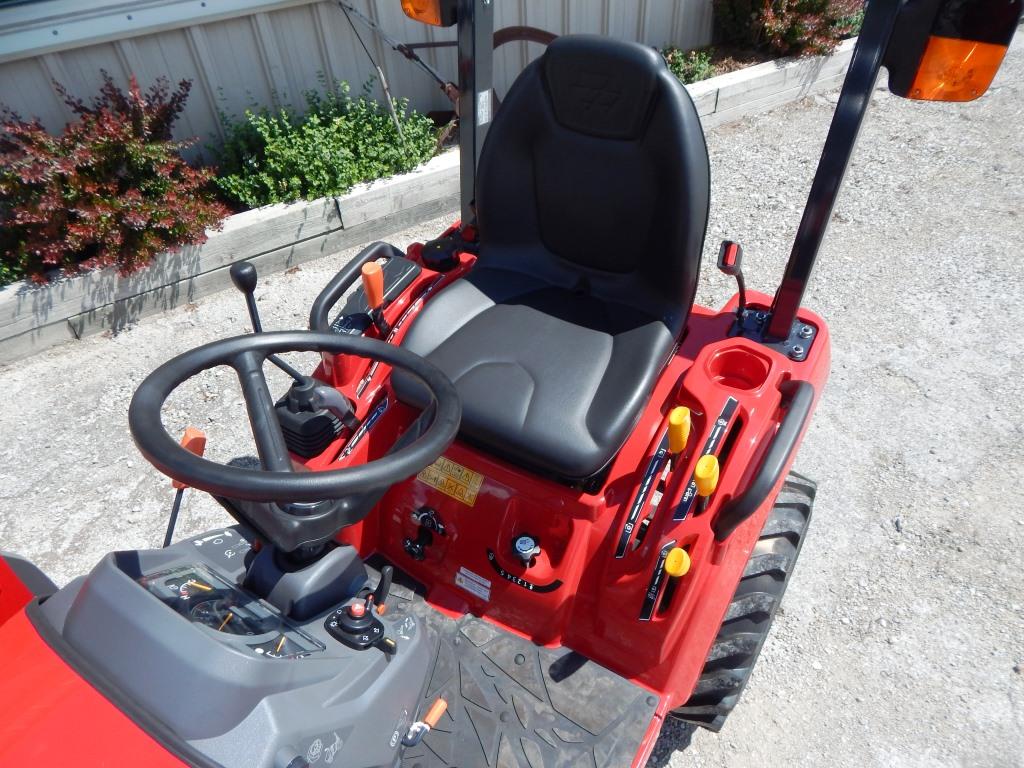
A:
901, 639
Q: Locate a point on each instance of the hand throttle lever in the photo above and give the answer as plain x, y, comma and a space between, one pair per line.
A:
373, 287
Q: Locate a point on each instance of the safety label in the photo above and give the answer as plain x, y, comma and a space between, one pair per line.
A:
474, 584
453, 480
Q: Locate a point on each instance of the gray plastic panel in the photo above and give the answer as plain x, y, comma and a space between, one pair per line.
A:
335, 706
512, 704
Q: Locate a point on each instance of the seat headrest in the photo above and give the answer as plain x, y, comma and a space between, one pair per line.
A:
601, 87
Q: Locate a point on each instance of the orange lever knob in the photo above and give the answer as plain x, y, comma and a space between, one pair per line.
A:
193, 441
437, 709
373, 284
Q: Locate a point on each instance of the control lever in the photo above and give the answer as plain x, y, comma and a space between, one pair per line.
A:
243, 275
730, 261
421, 728
193, 441
373, 287
526, 548
311, 395
705, 476
679, 425
380, 594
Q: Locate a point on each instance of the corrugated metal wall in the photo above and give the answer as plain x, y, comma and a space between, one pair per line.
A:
271, 57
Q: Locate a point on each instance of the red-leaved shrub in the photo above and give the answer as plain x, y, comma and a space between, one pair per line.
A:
787, 27
111, 189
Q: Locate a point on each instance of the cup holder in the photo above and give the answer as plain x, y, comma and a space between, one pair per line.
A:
739, 368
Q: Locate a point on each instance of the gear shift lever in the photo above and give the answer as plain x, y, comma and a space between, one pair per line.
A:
309, 394
243, 275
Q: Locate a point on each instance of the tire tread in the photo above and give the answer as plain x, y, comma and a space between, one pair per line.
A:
749, 616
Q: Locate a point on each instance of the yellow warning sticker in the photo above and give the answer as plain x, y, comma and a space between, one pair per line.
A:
453, 480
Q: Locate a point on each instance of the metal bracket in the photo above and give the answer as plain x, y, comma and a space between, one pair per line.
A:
754, 324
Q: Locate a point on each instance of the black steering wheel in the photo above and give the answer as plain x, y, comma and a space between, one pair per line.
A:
275, 481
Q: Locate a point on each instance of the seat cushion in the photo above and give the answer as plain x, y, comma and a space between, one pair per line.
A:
597, 160
550, 378
591, 202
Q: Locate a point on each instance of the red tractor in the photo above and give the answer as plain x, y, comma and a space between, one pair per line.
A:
532, 502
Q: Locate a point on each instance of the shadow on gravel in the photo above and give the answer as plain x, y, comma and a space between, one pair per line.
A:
675, 737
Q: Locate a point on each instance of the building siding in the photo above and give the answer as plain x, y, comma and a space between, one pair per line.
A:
268, 55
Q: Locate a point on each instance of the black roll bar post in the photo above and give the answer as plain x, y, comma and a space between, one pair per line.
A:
476, 66
854, 98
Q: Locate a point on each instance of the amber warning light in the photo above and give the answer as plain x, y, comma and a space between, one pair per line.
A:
949, 50
438, 13
956, 70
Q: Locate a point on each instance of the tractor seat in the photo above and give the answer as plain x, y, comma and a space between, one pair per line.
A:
592, 202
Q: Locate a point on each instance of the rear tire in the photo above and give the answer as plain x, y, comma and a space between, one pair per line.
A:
750, 614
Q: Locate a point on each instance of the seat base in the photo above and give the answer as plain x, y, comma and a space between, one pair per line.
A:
549, 377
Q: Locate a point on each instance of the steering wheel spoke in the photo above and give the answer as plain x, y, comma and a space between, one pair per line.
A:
266, 429
425, 440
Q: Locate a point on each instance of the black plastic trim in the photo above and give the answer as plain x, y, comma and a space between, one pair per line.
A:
785, 442
37, 582
657, 578
654, 468
153, 726
518, 580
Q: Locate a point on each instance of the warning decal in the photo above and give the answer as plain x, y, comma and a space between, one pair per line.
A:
452, 480
473, 583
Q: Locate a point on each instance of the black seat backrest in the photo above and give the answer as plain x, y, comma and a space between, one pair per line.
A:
595, 174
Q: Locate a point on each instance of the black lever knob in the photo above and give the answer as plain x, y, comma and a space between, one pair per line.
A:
380, 594
243, 275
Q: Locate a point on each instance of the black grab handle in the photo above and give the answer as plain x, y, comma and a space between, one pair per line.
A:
735, 511
341, 282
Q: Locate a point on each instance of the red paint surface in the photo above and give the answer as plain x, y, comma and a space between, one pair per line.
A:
49, 716
596, 610
13, 594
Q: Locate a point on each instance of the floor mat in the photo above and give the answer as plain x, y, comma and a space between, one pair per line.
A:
512, 704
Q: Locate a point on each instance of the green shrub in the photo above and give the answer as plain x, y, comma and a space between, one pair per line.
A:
787, 27
111, 189
10, 272
851, 18
274, 157
689, 66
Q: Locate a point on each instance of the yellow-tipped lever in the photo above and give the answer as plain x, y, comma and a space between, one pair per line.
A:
677, 563
679, 424
705, 476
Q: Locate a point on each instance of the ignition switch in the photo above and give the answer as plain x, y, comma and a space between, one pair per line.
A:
428, 524
427, 518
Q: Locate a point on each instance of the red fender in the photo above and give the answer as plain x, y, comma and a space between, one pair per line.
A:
13, 592
49, 715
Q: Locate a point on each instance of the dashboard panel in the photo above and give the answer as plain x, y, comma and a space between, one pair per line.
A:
206, 598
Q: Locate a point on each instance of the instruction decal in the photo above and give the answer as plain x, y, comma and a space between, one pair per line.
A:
365, 427
452, 479
710, 446
519, 581
653, 470
474, 584
657, 577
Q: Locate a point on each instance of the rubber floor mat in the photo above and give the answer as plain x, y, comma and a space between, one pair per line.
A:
512, 704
